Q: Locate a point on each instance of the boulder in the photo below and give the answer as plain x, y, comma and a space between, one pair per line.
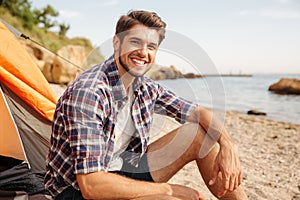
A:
39, 54
256, 112
47, 71
161, 73
286, 86
192, 75
63, 72
56, 69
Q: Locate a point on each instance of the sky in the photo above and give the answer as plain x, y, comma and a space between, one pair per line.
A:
231, 36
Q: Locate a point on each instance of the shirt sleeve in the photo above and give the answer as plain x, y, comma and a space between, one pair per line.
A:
84, 112
173, 106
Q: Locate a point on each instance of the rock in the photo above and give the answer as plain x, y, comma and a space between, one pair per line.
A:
63, 72
47, 71
161, 73
192, 75
59, 70
39, 54
286, 86
256, 112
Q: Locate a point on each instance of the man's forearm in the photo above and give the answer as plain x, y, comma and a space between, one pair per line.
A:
105, 185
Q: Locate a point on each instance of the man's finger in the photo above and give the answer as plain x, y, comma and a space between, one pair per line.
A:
225, 185
236, 183
240, 178
232, 183
215, 175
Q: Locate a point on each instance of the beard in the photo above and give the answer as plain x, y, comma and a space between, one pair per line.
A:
131, 71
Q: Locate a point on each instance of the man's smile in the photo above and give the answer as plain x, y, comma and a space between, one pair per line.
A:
138, 62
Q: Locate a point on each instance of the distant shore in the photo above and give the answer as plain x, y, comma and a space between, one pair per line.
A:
228, 75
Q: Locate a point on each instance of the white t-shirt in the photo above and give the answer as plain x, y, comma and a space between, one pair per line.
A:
124, 129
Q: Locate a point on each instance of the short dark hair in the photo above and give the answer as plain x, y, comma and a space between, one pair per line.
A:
146, 18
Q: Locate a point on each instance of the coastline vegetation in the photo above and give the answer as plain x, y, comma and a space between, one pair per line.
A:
38, 24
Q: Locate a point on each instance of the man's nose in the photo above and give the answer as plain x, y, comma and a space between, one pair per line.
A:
143, 50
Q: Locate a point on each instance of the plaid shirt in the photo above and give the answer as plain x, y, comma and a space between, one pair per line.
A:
82, 139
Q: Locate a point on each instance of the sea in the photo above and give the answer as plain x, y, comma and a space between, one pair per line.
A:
240, 94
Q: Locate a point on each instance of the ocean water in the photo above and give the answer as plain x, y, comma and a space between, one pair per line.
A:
240, 94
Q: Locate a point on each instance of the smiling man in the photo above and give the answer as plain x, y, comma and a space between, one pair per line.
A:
135, 52
101, 129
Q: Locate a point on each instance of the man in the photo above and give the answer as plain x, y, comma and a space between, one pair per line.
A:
100, 140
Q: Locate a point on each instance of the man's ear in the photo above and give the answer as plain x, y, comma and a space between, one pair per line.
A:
116, 43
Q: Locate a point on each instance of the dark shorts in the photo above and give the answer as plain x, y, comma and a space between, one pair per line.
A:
141, 172
138, 173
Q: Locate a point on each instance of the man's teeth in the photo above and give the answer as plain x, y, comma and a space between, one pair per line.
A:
139, 61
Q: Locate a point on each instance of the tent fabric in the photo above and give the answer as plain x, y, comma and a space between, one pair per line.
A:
33, 129
27, 105
21, 75
10, 141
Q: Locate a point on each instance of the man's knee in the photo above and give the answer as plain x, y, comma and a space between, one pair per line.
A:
196, 136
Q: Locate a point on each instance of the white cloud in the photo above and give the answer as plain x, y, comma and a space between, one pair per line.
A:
283, 1
109, 3
67, 14
274, 14
244, 12
278, 14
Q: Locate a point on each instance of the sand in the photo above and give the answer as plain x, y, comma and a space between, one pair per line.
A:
269, 152
270, 157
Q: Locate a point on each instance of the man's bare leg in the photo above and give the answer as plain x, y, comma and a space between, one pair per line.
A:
169, 154
160, 197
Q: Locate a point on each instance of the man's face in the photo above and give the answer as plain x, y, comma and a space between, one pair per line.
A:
136, 53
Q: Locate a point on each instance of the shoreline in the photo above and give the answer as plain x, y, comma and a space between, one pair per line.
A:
263, 117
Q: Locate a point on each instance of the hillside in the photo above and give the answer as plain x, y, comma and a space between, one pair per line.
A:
49, 39
59, 58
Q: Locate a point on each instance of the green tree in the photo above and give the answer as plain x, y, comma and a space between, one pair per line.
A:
44, 17
28, 18
22, 10
63, 29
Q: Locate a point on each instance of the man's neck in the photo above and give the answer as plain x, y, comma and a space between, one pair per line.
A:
127, 80
126, 77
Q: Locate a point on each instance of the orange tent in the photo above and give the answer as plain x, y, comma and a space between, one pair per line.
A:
27, 104
20, 74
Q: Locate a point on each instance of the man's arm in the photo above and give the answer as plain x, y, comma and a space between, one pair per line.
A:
105, 185
227, 161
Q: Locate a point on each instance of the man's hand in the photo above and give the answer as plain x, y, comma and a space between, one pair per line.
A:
186, 193
228, 164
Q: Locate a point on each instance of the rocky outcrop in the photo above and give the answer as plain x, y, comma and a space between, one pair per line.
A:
55, 69
161, 73
62, 72
40, 55
286, 86
192, 75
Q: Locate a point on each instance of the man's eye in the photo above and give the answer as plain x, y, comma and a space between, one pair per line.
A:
152, 47
135, 42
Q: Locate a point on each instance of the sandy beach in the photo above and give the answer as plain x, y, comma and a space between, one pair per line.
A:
269, 152
270, 156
